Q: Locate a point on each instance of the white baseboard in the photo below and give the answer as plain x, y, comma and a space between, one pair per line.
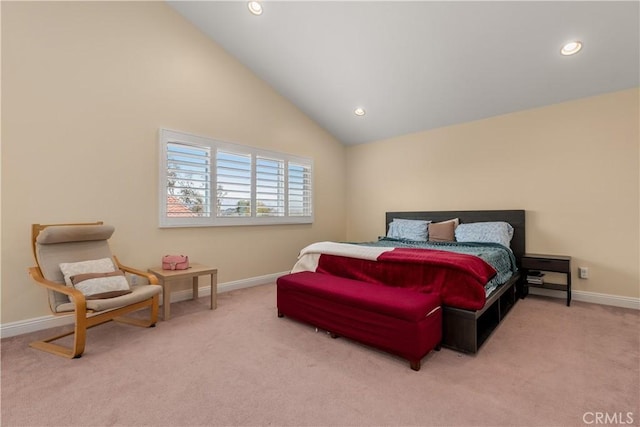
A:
39, 323
45, 322
590, 297
226, 287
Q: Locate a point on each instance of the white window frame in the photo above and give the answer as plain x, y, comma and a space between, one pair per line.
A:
168, 136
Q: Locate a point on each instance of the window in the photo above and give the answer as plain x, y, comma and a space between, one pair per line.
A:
252, 186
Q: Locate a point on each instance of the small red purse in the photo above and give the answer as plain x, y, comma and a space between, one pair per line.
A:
175, 262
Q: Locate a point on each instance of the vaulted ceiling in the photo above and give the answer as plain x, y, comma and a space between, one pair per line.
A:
420, 65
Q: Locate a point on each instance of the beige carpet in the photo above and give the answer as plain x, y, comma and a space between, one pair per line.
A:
241, 365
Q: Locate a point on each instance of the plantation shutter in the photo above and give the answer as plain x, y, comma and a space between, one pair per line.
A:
270, 197
233, 178
188, 180
299, 179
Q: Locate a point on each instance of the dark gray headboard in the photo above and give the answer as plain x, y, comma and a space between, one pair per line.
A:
514, 217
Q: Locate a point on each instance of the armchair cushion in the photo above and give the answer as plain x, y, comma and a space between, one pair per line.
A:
49, 256
64, 233
138, 293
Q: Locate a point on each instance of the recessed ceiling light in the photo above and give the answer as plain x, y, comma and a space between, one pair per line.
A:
359, 111
571, 48
255, 7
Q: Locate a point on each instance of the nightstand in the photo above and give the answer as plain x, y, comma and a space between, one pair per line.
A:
549, 263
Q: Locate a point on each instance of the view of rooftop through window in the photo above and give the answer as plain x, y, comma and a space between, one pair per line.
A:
188, 180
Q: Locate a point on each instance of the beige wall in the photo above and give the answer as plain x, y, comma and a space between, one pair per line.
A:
573, 167
85, 88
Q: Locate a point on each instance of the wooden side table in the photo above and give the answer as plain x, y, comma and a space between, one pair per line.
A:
166, 277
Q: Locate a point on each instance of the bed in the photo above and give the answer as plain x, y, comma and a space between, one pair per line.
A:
475, 289
463, 329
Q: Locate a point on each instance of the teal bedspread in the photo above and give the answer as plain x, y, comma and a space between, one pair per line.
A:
496, 255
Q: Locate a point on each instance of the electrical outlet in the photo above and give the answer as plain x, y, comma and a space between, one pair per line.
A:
583, 272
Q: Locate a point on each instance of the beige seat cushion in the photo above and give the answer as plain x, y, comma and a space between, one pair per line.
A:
140, 293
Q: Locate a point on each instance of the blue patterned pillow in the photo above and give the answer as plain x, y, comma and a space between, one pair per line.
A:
493, 232
410, 229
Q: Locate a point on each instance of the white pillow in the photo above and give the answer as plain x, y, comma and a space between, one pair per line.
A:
95, 277
103, 265
101, 285
490, 232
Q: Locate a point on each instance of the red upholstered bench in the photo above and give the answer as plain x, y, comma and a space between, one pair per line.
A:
397, 320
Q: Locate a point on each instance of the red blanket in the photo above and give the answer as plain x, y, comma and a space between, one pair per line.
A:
459, 279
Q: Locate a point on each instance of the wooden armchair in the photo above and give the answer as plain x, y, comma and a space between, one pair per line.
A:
85, 247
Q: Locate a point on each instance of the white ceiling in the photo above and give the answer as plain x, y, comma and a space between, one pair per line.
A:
420, 65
